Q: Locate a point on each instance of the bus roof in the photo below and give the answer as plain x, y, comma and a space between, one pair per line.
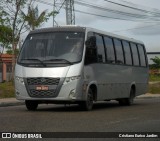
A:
60, 28
83, 29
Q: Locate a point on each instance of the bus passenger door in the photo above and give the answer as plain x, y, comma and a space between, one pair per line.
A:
95, 67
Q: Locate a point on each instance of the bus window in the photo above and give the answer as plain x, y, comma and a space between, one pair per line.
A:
110, 50
135, 54
91, 51
100, 48
142, 55
119, 51
127, 53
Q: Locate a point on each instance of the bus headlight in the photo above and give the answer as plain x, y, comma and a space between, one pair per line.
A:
19, 79
70, 79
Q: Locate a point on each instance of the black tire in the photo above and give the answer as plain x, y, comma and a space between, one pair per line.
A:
88, 104
31, 105
128, 101
122, 102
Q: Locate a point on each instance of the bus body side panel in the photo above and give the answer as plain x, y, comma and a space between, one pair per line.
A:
110, 80
140, 77
115, 81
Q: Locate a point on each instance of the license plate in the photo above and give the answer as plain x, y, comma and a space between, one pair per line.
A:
42, 88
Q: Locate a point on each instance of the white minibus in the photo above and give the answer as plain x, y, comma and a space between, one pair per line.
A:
73, 64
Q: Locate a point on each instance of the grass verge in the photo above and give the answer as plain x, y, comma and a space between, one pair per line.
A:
154, 88
7, 90
153, 77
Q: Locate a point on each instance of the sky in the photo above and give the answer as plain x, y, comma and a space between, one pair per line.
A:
147, 31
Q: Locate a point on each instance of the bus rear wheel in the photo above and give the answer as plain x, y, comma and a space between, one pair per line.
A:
128, 101
31, 105
88, 104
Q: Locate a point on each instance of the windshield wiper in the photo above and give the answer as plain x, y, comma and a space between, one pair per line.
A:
64, 60
36, 60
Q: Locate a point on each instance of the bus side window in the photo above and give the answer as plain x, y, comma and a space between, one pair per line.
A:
109, 50
127, 52
91, 52
100, 49
142, 55
135, 54
119, 51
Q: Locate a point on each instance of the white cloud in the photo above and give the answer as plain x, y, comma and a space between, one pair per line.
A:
147, 30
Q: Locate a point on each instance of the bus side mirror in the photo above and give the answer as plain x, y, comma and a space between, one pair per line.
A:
91, 42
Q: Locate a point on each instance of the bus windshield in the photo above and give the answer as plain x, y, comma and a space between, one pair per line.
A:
52, 48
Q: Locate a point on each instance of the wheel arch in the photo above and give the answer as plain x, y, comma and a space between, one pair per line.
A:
133, 87
93, 87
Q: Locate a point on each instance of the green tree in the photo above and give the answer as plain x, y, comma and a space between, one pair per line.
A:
5, 31
156, 62
12, 13
9, 51
34, 19
5, 36
11, 16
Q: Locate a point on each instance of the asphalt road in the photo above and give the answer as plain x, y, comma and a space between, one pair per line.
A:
143, 116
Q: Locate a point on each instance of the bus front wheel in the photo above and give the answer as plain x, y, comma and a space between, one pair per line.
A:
88, 104
31, 105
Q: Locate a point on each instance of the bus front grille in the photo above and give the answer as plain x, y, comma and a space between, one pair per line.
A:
43, 81
43, 87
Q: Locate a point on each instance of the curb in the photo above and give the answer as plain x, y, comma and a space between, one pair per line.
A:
11, 103
147, 96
